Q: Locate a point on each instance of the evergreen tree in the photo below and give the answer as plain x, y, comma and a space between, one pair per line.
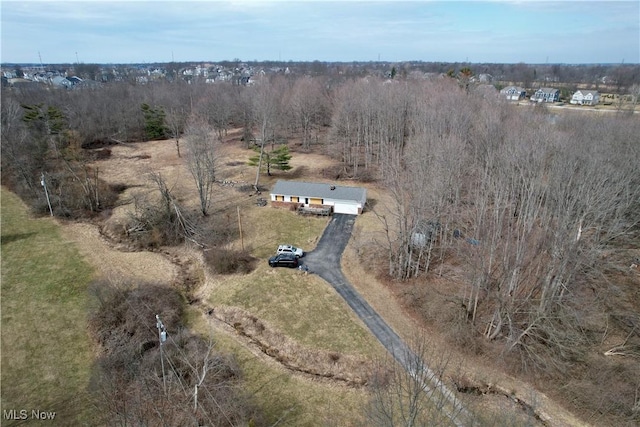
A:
277, 158
154, 122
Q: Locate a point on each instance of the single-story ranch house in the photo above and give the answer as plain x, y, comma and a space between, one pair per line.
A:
336, 198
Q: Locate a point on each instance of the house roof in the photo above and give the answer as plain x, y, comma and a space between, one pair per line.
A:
586, 92
547, 90
514, 88
320, 190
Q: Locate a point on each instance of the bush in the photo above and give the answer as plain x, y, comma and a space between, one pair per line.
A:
223, 261
138, 381
122, 313
160, 222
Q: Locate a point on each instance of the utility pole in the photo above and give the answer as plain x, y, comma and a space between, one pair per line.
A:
46, 192
162, 337
240, 228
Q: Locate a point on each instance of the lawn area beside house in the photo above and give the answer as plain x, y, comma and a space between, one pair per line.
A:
303, 307
46, 350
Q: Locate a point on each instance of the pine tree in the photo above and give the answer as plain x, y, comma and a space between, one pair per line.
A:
278, 158
154, 122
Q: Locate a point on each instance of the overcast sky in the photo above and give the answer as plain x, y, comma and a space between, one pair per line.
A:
565, 31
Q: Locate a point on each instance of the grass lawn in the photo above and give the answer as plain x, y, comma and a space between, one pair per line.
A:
305, 308
264, 228
46, 350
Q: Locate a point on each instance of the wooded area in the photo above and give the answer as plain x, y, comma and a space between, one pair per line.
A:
526, 211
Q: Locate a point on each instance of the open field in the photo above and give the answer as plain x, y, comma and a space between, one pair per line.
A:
46, 351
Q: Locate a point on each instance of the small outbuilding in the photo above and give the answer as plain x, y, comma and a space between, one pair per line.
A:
328, 197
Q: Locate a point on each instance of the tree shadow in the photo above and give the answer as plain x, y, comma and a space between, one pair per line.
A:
9, 238
370, 204
298, 172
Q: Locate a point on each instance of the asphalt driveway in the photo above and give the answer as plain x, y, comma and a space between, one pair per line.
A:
324, 261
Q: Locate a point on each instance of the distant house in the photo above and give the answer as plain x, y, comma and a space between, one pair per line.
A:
585, 97
335, 198
74, 80
513, 93
482, 78
59, 81
546, 94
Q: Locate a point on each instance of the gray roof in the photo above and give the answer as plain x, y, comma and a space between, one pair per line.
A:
586, 92
515, 88
319, 190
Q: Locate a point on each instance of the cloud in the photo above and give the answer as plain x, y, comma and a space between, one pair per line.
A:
328, 30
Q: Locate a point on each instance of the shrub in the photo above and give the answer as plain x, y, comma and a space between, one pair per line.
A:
223, 261
138, 381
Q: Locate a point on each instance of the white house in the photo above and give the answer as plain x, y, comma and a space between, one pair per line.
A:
513, 93
336, 198
585, 97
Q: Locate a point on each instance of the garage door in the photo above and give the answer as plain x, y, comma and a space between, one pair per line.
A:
344, 208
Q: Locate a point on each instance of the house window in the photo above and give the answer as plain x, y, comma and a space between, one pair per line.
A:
279, 198
295, 199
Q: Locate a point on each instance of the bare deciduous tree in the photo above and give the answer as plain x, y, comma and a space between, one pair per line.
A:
202, 151
415, 395
176, 120
308, 104
266, 108
199, 385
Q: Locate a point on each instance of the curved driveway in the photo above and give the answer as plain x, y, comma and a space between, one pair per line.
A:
325, 262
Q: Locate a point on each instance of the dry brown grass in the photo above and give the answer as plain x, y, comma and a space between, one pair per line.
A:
364, 264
